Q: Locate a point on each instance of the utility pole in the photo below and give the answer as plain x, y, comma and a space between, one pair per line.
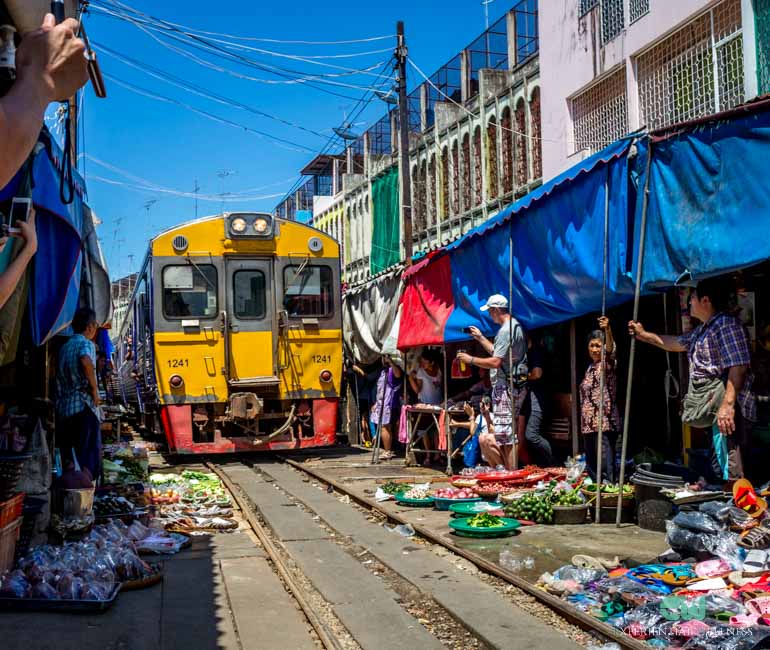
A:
195, 189
403, 122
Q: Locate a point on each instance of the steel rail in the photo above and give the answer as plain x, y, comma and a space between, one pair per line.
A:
327, 639
578, 618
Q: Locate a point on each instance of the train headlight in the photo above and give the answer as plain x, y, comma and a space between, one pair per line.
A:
238, 225
176, 381
326, 376
249, 225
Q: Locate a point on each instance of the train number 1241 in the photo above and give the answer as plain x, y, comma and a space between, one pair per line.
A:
178, 363
322, 358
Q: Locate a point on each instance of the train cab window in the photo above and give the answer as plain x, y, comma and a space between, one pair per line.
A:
308, 291
190, 291
249, 294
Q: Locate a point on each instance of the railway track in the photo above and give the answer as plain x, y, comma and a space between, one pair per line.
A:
273, 494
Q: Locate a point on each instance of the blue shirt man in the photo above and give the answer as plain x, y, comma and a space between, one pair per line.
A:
77, 399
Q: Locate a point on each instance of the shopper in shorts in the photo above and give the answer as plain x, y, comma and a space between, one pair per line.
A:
508, 355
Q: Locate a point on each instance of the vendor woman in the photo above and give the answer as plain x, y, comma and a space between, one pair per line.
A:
592, 400
387, 402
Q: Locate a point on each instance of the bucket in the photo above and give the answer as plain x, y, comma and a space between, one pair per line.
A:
75, 504
570, 514
652, 507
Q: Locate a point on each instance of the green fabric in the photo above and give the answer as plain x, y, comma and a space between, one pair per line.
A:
762, 27
386, 234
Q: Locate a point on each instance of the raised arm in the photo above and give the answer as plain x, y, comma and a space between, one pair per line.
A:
663, 341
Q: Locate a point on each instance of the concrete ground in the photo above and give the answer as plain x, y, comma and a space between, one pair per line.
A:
550, 546
221, 594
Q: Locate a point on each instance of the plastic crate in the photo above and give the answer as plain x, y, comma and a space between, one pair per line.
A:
8, 538
11, 509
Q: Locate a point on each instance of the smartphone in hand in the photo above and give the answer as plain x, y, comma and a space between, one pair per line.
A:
20, 209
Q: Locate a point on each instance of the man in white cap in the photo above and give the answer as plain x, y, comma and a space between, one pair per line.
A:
508, 354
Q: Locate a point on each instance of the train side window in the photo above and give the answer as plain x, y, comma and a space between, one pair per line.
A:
308, 291
249, 294
190, 291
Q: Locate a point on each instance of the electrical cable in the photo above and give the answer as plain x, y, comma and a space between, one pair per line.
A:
264, 40
197, 90
187, 195
151, 95
290, 76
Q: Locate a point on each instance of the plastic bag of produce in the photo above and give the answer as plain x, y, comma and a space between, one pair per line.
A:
14, 585
698, 522
724, 546
581, 576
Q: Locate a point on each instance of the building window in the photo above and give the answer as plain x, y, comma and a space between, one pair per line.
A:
444, 183
696, 71
520, 138
430, 191
537, 142
506, 134
637, 9
613, 19
587, 5
467, 179
455, 178
492, 157
477, 186
599, 114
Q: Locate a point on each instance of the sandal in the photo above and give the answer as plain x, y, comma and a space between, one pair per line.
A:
590, 562
759, 606
755, 563
757, 537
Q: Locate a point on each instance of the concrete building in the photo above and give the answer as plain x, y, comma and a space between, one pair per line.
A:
508, 112
611, 67
474, 134
121, 296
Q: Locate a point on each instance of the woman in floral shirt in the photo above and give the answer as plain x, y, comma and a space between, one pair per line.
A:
590, 400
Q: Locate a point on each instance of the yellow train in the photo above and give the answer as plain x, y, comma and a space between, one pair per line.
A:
233, 338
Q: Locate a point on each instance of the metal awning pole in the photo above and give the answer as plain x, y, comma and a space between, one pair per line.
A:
514, 415
603, 358
632, 354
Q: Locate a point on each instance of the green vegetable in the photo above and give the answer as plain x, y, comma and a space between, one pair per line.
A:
394, 488
485, 520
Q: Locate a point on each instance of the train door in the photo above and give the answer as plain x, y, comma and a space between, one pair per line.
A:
252, 335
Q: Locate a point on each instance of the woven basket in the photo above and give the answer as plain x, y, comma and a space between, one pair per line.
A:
10, 475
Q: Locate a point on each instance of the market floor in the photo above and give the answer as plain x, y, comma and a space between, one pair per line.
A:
205, 602
550, 547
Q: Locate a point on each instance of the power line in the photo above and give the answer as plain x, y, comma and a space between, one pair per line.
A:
162, 98
268, 40
186, 195
197, 90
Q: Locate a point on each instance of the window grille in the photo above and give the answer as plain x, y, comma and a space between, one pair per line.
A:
466, 170
599, 114
520, 138
492, 153
536, 131
762, 26
696, 71
477, 187
430, 191
455, 178
587, 5
506, 134
613, 19
637, 9
444, 184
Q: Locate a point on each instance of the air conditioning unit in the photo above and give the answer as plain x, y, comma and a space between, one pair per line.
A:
28, 14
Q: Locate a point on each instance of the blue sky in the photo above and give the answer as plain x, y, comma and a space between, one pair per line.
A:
171, 147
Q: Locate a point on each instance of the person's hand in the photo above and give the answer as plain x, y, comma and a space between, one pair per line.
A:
28, 233
55, 57
3, 242
604, 323
475, 332
95, 395
635, 328
468, 410
358, 371
726, 419
484, 408
464, 357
